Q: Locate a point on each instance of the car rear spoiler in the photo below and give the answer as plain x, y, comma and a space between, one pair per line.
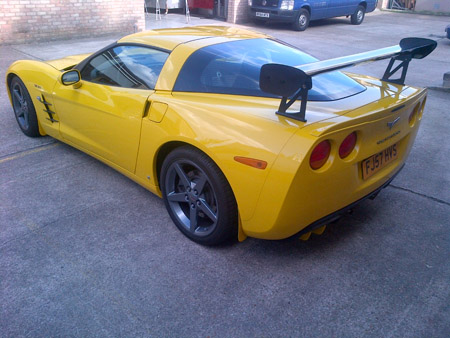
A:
295, 82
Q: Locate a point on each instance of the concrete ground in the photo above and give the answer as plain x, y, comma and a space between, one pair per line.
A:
86, 252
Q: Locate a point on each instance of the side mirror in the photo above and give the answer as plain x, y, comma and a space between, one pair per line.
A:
71, 77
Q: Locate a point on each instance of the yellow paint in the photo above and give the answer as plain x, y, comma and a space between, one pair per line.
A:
103, 119
39, 78
241, 234
111, 124
173, 37
67, 62
157, 111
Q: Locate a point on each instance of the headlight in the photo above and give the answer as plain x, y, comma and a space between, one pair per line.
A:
287, 5
250, 3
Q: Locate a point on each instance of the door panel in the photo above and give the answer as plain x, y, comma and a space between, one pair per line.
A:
319, 9
103, 113
349, 6
337, 8
103, 119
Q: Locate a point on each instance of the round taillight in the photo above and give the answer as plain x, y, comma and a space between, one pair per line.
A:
347, 145
320, 155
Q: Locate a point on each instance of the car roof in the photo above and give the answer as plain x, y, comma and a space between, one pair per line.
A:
169, 38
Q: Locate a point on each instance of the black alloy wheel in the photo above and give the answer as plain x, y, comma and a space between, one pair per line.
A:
23, 108
198, 197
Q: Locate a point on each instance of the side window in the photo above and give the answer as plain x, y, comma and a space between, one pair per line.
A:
126, 66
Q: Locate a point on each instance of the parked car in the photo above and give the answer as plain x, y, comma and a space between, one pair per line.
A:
300, 12
240, 134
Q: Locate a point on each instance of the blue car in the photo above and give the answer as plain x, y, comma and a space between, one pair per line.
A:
300, 12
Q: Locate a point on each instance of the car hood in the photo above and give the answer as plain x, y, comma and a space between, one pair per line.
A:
67, 62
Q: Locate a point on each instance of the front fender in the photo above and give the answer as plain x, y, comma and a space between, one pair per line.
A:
39, 79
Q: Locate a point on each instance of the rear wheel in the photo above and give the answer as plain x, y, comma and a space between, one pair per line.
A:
302, 21
198, 197
358, 17
23, 108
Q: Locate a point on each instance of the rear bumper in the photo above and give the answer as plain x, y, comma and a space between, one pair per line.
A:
338, 214
296, 198
274, 14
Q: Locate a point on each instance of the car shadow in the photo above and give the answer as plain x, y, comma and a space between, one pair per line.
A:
336, 233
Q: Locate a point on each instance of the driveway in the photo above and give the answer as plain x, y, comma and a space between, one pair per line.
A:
86, 252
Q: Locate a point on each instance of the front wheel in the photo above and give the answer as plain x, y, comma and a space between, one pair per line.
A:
302, 21
198, 197
358, 17
23, 108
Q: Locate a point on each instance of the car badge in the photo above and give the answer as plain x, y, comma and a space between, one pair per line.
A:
264, 2
392, 123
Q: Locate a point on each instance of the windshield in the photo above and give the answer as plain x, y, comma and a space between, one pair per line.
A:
234, 67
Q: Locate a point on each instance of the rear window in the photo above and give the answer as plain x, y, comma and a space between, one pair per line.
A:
234, 67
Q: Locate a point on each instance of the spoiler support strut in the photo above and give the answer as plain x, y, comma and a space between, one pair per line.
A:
404, 63
302, 93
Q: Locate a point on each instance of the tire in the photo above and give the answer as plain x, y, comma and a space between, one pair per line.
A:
198, 197
23, 108
302, 20
358, 17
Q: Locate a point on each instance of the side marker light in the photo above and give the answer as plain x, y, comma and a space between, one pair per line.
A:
252, 162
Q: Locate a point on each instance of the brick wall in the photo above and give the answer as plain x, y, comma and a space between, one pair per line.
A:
237, 11
37, 20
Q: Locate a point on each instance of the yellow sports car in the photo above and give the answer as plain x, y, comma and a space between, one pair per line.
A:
240, 134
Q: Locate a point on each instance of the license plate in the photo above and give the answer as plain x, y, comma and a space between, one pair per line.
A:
375, 163
262, 14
